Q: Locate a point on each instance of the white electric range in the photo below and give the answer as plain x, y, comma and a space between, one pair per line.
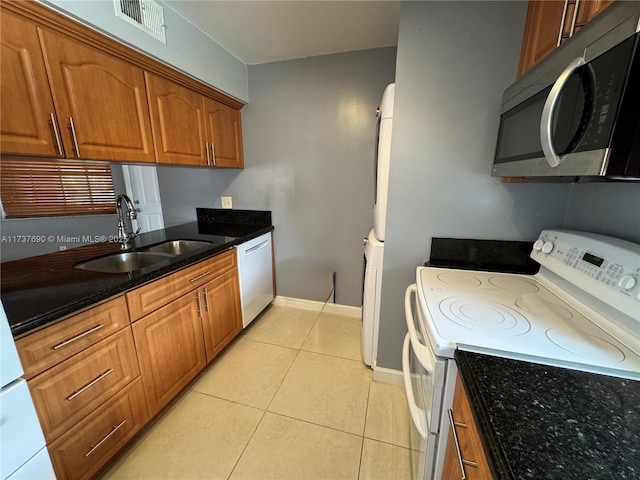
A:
581, 311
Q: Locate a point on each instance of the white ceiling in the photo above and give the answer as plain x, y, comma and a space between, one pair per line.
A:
267, 31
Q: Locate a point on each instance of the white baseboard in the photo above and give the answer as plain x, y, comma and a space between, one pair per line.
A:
387, 375
315, 306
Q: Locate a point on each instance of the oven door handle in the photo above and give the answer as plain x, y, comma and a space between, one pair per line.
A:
417, 414
422, 351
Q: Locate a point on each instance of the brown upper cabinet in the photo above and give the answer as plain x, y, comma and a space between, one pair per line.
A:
100, 100
27, 116
224, 130
177, 118
549, 23
191, 129
70, 92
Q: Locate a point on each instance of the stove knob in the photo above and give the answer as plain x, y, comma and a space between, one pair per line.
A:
627, 282
537, 246
548, 247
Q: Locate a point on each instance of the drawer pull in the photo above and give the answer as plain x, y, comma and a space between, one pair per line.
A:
115, 429
90, 384
457, 444
206, 299
78, 337
469, 462
194, 279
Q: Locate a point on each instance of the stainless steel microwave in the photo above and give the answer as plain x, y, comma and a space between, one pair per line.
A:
576, 115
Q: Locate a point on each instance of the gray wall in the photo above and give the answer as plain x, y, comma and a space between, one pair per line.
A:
309, 140
183, 189
607, 208
187, 48
454, 61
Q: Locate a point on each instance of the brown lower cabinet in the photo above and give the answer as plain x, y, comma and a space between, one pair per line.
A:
97, 379
464, 457
221, 312
83, 450
170, 350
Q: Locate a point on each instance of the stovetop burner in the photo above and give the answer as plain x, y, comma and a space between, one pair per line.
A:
516, 316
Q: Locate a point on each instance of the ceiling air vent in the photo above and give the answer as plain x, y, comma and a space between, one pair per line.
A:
147, 15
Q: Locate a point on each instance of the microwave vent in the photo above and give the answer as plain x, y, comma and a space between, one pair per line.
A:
147, 15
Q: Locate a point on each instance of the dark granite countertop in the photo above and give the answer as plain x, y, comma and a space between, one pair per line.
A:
37, 291
543, 422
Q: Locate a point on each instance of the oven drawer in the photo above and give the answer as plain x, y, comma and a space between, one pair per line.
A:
68, 392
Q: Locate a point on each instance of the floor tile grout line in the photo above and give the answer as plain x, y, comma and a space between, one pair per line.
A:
314, 424
235, 465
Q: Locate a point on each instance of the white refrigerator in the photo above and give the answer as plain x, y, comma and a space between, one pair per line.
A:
23, 454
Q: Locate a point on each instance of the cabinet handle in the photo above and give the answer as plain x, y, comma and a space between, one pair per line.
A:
78, 337
573, 21
199, 303
564, 17
75, 138
114, 430
90, 384
56, 134
213, 154
194, 279
457, 444
206, 299
206, 149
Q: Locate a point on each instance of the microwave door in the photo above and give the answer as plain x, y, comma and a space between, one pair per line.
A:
567, 112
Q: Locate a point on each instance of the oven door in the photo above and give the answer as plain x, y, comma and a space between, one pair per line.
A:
423, 380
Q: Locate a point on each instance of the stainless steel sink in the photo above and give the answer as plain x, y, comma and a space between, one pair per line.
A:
122, 262
177, 247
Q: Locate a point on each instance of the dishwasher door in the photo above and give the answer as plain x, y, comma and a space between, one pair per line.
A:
255, 269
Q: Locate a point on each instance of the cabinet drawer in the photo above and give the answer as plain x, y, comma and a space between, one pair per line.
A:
152, 296
71, 390
88, 446
52, 345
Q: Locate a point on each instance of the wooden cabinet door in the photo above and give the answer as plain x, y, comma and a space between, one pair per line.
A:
100, 100
224, 131
593, 8
177, 119
27, 115
541, 31
170, 350
464, 449
221, 312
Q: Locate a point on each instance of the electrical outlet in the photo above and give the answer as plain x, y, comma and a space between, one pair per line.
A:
226, 202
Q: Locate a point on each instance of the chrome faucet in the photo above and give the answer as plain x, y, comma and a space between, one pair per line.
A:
124, 236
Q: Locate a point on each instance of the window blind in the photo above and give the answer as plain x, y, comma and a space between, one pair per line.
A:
34, 188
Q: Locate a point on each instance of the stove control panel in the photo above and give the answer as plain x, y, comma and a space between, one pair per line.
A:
605, 267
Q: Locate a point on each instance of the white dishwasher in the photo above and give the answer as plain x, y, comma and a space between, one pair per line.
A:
255, 269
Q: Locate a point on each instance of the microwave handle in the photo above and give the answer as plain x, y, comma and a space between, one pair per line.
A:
547, 113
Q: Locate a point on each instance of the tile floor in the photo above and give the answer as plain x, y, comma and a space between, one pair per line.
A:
289, 399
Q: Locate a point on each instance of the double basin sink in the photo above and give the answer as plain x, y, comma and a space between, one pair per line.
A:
145, 257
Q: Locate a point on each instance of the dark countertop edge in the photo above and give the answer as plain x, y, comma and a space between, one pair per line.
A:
52, 317
495, 456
